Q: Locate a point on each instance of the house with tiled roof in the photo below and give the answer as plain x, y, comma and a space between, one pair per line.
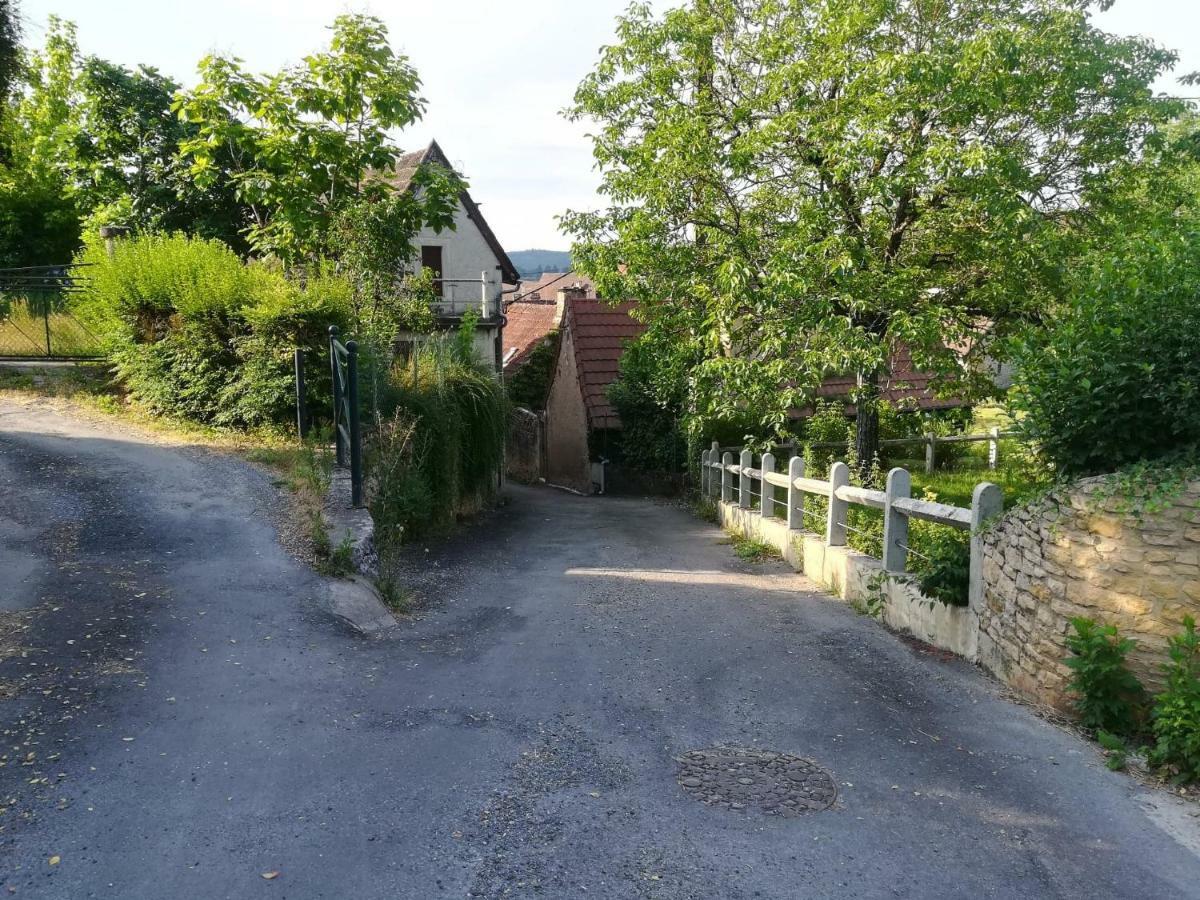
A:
468, 262
594, 334
535, 312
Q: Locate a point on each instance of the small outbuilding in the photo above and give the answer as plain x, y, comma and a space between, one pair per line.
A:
579, 416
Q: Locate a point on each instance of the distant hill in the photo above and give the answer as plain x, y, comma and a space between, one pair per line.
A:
533, 263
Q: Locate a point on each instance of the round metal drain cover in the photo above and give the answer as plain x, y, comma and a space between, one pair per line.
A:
778, 784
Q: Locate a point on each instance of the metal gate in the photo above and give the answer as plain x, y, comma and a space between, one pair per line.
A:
36, 321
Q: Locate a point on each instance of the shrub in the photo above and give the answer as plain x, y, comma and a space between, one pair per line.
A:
196, 333
943, 568
439, 450
650, 404
1176, 716
1115, 378
529, 386
1108, 696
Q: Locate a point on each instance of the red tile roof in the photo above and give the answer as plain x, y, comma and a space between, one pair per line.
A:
529, 322
904, 387
599, 332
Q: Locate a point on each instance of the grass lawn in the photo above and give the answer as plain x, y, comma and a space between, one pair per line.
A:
24, 334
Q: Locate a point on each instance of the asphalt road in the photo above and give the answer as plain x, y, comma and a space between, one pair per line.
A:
180, 716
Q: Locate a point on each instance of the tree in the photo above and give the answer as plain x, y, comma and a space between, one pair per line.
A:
1116, 379
39, 221
302, 143
125, 166
10, 45
800, 188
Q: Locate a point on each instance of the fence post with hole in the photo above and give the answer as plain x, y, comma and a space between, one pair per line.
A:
987, 502
795, 496
835, 527
746, 461
726, 478
767, 503
895, 523
930, 452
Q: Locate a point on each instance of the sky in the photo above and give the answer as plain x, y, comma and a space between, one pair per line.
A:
496, 74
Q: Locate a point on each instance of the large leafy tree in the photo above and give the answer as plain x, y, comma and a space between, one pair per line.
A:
39, 220
300, 144
125, 166
10, 45
798, 188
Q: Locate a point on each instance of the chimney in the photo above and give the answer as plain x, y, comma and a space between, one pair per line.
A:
574, 291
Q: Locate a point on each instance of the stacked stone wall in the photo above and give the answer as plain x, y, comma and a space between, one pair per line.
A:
1075, 553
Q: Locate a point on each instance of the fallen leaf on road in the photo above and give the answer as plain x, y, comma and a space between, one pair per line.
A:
55, 860
270, 875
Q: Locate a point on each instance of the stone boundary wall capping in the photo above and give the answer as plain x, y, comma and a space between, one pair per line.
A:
1075, 553
782, 521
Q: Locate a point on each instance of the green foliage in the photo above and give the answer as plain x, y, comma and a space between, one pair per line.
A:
752, 550
943, 568
372, 240
651, 408
1116, 379
1108, 696
1116, 751
529, 386
439, 449
1176, 715
196, 333
301, 143
796, 189
10, 46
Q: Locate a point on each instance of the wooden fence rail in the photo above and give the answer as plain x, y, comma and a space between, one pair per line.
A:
734, 483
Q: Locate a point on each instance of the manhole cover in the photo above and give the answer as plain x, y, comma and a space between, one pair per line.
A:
776, 783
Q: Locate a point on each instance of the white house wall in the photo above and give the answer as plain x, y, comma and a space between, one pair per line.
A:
465, 254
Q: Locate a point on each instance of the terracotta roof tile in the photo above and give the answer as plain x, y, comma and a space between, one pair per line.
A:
600, 332
529, 322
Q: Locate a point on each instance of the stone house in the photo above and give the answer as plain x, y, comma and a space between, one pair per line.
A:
578, 415
469, 263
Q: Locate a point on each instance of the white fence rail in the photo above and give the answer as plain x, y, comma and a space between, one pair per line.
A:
734, 483
929, 440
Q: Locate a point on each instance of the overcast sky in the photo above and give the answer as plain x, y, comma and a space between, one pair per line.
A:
496, 74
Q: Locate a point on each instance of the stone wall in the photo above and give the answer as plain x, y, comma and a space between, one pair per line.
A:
1074, 553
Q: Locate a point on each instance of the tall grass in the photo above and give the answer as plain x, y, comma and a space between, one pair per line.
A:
438, 449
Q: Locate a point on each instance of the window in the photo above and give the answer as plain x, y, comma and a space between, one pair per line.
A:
431, 258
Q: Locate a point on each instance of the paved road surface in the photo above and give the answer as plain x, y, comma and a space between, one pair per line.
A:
196, 720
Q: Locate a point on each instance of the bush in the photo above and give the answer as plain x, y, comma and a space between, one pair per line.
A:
1176, 716
1116, 377
196, 333
440, 448
944, 572
650, 405
1108, 696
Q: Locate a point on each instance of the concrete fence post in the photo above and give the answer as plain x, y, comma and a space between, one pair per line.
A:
744, 497
895, 523
715, 457
726, 478
930, 452
994, 448
795, 496
767, 506
986, 503
835, 527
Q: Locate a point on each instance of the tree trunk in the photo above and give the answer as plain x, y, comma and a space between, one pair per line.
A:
866, 421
